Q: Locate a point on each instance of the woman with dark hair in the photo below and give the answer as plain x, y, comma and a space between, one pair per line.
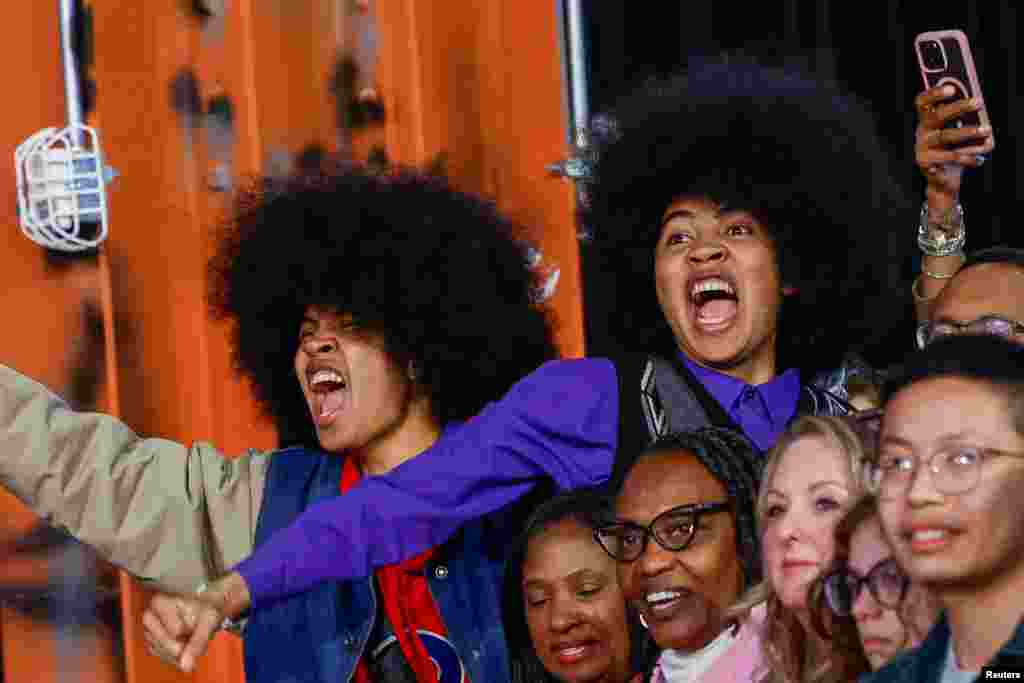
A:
372, 314
565, 617
686, 544
866, 606
777, 152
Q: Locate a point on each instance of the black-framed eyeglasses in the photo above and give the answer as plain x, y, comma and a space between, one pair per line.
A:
955, 469
886, 581
995, 325
673, 530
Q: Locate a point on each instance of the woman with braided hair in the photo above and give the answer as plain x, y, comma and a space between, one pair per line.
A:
685, 539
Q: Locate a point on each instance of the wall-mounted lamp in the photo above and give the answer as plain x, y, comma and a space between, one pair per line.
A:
61, 199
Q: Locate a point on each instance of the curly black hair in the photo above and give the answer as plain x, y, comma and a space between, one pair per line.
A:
441, 274
799, 153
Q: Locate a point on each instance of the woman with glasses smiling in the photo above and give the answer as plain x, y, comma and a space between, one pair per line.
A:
686, 547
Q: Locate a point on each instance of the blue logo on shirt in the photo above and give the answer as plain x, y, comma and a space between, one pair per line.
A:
445, 658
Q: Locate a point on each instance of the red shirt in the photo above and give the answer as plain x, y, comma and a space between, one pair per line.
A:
410, 608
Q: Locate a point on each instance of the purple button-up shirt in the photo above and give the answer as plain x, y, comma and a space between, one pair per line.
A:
560, 422
762, 411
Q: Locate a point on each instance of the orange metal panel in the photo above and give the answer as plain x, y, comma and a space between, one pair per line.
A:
481, 84
43, 308
525, 131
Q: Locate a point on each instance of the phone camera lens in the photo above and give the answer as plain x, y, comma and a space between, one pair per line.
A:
932, 56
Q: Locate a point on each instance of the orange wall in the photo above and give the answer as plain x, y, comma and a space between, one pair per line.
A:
43, 323
479, 82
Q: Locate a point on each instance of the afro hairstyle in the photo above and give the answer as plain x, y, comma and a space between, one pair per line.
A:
440, 274
800, 154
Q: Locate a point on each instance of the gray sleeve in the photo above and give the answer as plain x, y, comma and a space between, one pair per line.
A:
167, 513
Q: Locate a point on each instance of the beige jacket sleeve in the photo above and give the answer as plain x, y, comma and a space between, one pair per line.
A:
166, 513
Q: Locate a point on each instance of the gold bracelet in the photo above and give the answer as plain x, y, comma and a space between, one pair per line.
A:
915, 292
945, 276
938, 276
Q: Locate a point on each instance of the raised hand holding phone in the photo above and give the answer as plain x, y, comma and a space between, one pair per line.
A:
942, 151
953, 132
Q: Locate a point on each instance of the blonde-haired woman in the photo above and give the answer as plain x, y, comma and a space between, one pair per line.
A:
811, 478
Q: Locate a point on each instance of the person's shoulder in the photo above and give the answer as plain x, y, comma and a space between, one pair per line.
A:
902, 667
576, 366
743, 660
757, 615
572, 373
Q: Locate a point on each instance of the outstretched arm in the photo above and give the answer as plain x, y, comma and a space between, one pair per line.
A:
560, 422
162, 511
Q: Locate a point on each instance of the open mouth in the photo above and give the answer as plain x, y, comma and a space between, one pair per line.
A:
329, 393
715, 300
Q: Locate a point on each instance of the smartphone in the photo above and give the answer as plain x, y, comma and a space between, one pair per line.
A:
944, 58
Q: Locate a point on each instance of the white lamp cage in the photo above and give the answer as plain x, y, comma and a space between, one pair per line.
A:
61, 198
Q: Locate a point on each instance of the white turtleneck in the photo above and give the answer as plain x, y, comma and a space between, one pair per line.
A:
675, 666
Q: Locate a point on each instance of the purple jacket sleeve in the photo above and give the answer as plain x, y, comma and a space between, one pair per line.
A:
559, 422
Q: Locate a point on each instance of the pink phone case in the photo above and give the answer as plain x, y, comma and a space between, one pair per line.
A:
944, 58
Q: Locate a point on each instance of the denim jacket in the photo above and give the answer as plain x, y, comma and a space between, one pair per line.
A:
319, 636
925, 663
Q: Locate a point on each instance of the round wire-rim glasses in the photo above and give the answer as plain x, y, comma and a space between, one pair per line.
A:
886, 581
673, 530
954, 469
995, 325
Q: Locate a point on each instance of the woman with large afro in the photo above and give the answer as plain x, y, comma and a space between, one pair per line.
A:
371, 313
743, 217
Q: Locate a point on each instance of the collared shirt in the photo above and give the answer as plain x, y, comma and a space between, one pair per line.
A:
762, 411
558, 423
927, 662
952, 673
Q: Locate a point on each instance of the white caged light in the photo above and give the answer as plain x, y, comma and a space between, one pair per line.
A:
61, 197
